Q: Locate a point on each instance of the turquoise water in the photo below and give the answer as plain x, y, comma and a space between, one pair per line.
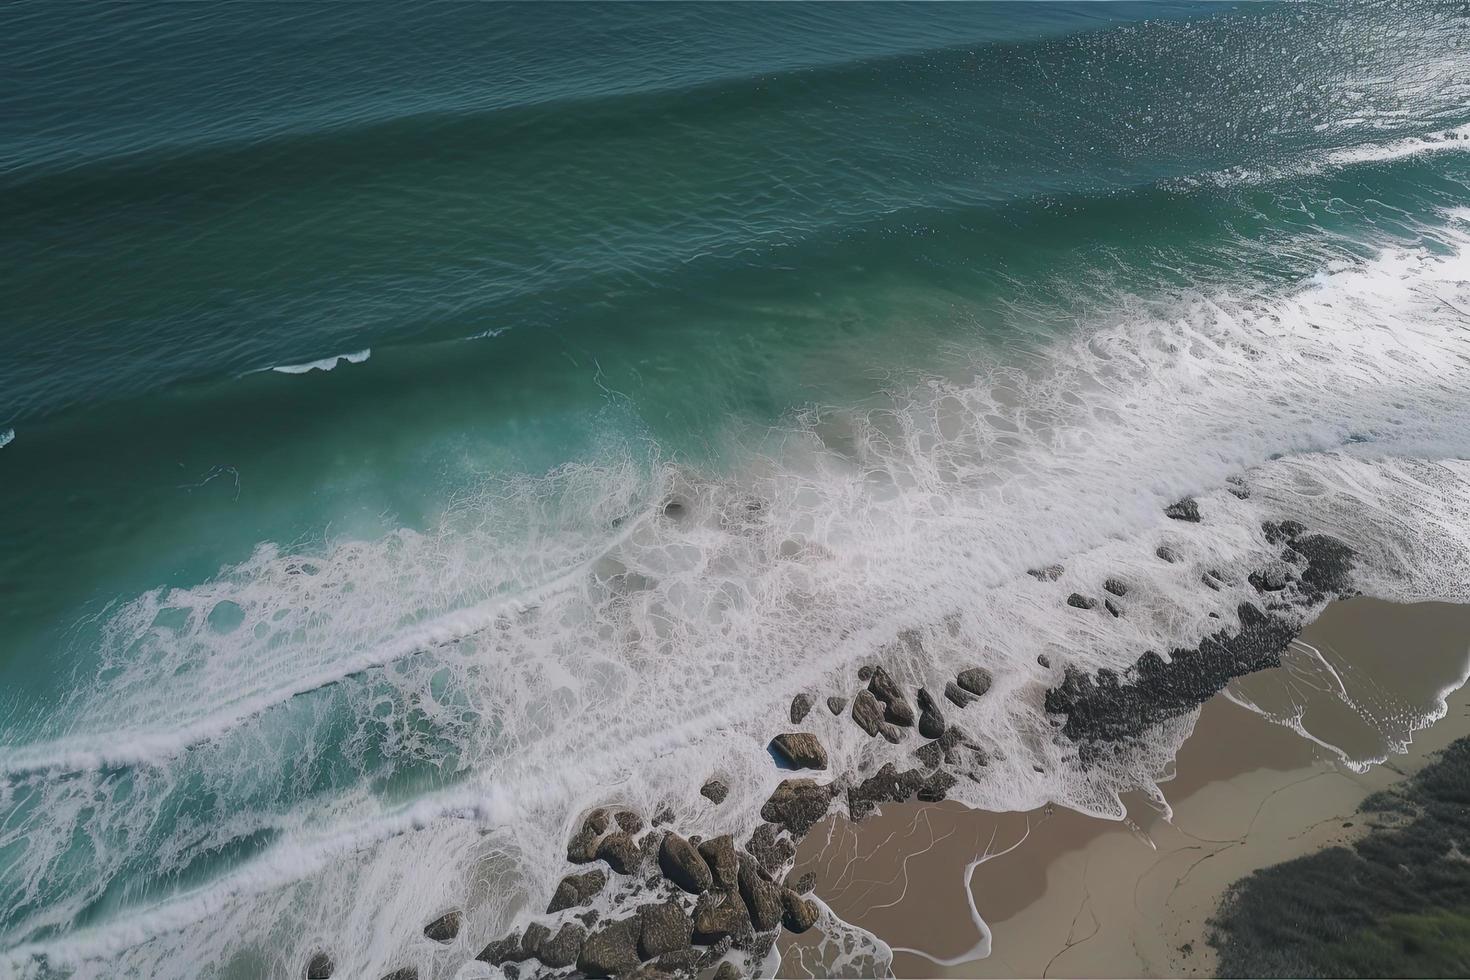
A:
534, 269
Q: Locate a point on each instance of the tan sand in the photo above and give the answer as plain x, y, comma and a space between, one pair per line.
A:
1068, 895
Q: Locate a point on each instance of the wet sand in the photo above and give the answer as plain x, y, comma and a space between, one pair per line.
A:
1063, 894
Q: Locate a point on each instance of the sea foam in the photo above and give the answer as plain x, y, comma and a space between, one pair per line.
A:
325, 364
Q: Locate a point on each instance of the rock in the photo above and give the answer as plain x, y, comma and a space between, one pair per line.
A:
864, 673
770, 850
957, 695
665, 813
762, 898
589, 918
931, 719
577, 890
680, 963
1284, 531
319, 967
682, 865
936, 787
801, 749
727, 971
714, 790
719, 916
444, 928
719, 854
611, 950
867, 713
804, 884
929, 754
975, 680
561, 950
1079, 601
896, 707
1048, 574
888, 785
797, 804
950, 742
536, 934
664, 928
1043, 660
619, 851
403, 973
511, 971
836, 704
800, 913
1273, 578
582, 848
1167, 553
1112, 608
507, 950
800, 705
890, 733
1116, 587
630, 822
1238, 489
1184, 510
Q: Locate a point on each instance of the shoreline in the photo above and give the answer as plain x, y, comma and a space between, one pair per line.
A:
1062, 893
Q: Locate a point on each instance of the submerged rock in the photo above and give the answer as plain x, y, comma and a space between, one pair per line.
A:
320, 967
1184, 510
1048, 574
1167, 553
577, 890
1112, 608
1115, 587
714, 790
797, 804
444, 928
1079, 601
801, 750
683, 865
611, 950
403, 973
800, 705
1273, 578
888, 785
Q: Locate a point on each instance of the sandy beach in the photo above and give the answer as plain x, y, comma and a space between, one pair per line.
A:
1057, 893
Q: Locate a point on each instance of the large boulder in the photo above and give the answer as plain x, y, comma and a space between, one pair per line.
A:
762, 898
931, 719
683, 865
619, 851
506, 950
611, 950
958, 696
797, 804
801, 750
444, 928
719, 854
867, 712
771, 850
577, 890
800, 913
664, 928
561, 950
715, 790
896, 707
320, 966
835, 704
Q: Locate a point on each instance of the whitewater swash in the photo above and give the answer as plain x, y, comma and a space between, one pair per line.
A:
1109, 379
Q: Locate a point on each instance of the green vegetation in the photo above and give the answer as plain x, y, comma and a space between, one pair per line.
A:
1396, 904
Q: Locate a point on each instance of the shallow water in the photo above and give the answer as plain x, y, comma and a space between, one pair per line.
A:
352, 360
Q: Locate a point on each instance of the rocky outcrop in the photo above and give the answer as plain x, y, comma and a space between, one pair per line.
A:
797, 804
800, 705
611, 950
664, 927
682, 864
801, 750
444, 928
577, 890
715, 790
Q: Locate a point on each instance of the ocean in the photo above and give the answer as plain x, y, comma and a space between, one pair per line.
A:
420, 425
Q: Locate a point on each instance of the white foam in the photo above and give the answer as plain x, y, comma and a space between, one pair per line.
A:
325, 364
1455, 139
7, 436
562, 642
